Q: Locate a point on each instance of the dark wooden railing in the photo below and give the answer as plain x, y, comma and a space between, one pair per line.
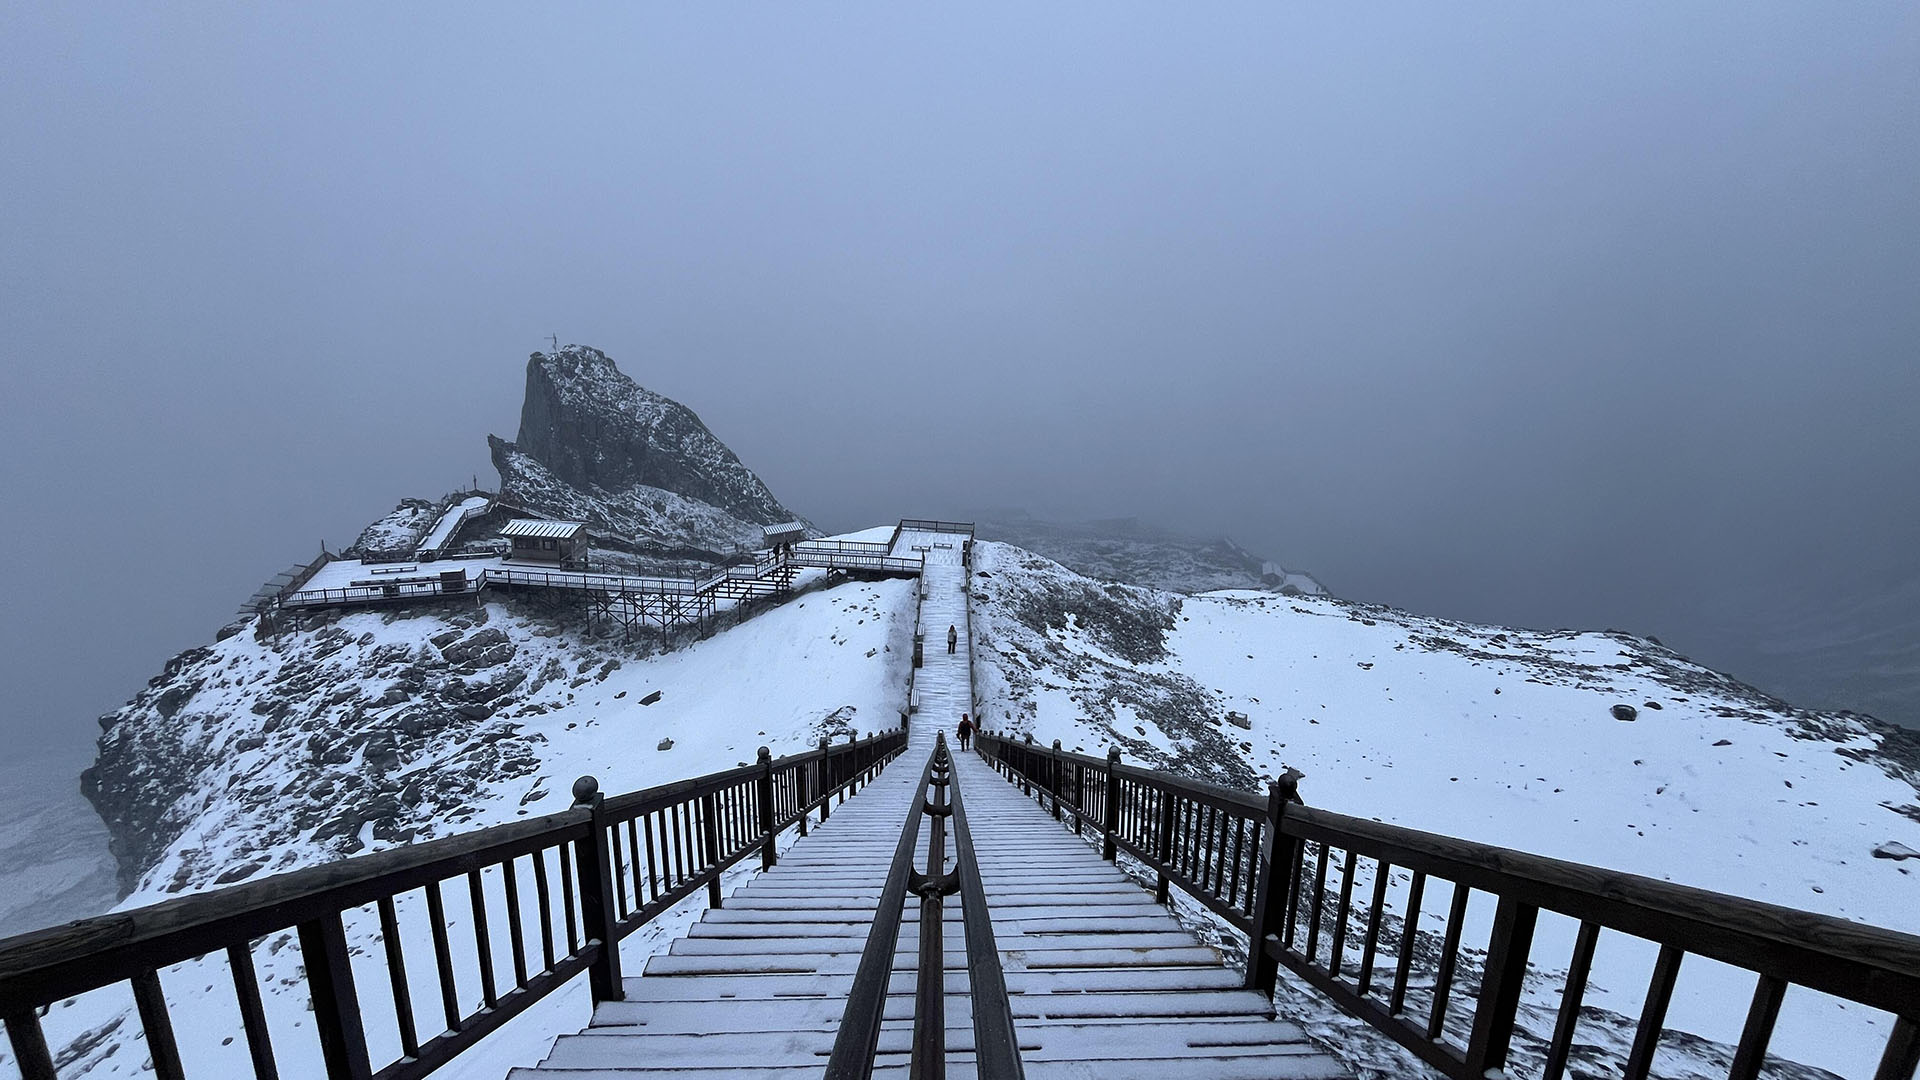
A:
843, 547
600, 870
931, 525
996, 1050
1285, 875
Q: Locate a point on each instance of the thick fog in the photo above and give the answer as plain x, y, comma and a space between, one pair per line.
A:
1507, 313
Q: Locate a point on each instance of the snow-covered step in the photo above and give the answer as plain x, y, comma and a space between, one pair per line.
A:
1137, 995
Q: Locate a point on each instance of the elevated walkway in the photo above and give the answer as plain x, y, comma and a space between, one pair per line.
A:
632, 601
1102, 981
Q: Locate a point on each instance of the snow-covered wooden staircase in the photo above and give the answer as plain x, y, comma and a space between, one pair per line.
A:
1102, 981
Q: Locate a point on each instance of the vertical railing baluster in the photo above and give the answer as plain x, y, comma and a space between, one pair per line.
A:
543, 893
1646, 1038
1233, 874
516, 935
568, 897
1570, 998
1296, 860
397, 977
1409, 934
633, 851
443, 955
482, 938
336, 1007
253, 1016
1339, 951
151, 1002
1751, 1052
1449, 958
1315, 902
653, 859
1382, 875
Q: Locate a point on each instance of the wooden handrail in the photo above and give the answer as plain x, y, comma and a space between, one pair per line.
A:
1263, 866
621, 862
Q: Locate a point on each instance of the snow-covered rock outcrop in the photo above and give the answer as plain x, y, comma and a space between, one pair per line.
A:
594, 445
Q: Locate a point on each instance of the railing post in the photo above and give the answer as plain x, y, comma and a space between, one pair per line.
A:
595, 868
1165, 846
803, 780
767, 857
827, 783
1110, 808
1270, 894
1053, 779
1026, 765
710, 840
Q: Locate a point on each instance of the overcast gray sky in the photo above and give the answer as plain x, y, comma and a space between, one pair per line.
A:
1512, 313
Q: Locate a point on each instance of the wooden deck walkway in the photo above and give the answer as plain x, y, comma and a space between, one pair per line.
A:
1103, 982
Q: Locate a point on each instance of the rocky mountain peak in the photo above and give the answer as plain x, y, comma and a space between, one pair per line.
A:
586, 425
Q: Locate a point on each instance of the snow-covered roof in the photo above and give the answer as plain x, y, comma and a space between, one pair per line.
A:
544, 529
791, 528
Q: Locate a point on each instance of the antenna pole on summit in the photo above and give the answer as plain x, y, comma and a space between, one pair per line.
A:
556, 341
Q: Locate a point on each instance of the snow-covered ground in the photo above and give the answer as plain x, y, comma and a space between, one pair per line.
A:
451, 519
1491, 734
828, 662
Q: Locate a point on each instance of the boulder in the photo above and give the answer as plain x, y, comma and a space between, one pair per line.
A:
1625, 712
1895, 850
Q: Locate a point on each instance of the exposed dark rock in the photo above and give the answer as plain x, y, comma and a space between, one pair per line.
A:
641, 468
483, 648
1625, 712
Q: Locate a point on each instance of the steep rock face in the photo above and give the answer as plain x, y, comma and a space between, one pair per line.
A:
603, 435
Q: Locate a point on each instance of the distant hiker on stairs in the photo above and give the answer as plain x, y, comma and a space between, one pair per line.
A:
964, 731
953, 638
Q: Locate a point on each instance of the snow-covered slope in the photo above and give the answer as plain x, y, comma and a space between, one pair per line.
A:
361, 731
1497, 735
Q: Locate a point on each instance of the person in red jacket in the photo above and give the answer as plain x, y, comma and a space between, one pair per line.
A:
964, 731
